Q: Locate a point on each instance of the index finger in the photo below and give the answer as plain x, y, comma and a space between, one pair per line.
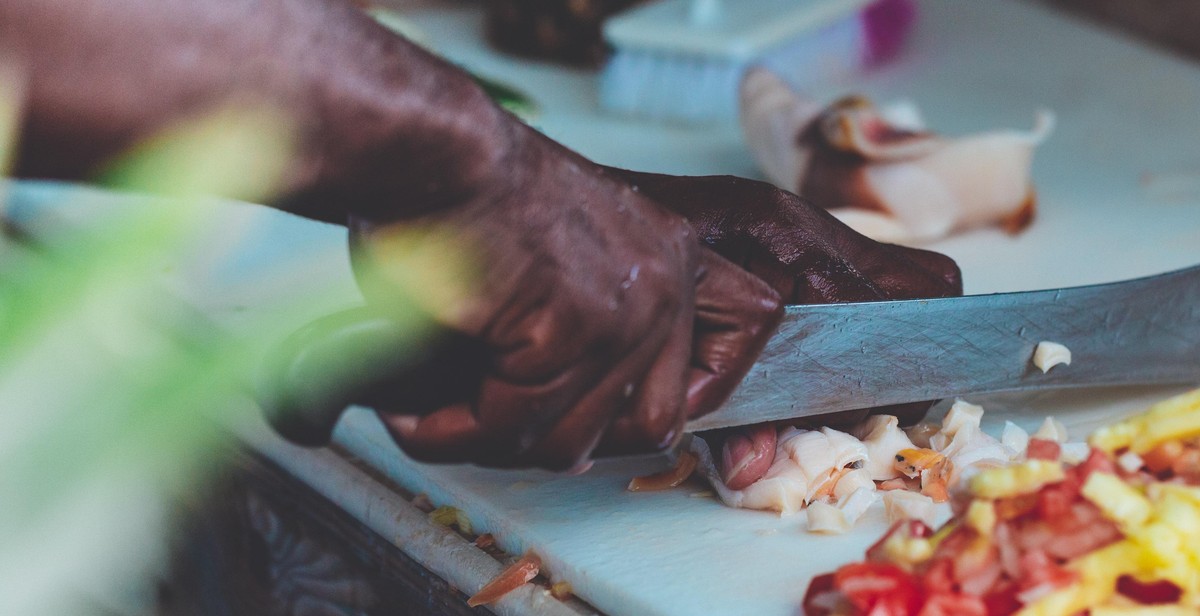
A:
736, 313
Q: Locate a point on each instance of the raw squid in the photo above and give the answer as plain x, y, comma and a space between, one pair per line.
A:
881, 172
882, 436
808, 464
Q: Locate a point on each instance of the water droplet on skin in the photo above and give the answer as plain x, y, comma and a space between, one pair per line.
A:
628, 389
634, 188
613, 305
629, 279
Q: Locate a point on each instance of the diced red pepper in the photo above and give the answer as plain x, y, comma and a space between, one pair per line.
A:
1043, 449
879, 589
1162, 591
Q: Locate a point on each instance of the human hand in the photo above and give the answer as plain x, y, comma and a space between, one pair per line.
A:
808, 257
604, 321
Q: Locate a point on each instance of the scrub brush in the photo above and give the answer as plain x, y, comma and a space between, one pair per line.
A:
682, 60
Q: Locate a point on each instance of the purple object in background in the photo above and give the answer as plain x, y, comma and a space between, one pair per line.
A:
886, 25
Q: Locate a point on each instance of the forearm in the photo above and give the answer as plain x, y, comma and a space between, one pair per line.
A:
380, 123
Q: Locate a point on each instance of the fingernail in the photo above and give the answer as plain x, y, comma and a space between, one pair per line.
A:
403, 425
737, 453
580, 468
746, 455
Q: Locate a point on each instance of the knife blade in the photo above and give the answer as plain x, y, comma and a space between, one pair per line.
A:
836, 357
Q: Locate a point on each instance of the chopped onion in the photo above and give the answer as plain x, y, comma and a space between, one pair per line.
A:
1015, 438
1052, 430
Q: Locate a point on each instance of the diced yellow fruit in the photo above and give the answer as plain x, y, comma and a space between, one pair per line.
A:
1024, 478
1116, 436
1098, 573
1062, 602
1144, 610
1120, 502
981, 516
1173, 418
1183, 425
907, 551
1175, 506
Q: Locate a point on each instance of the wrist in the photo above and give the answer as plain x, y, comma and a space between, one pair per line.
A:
426, 138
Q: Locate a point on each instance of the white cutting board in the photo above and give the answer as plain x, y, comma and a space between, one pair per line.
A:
1119, 186
1120, 194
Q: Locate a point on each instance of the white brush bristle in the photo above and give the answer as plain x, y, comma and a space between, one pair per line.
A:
663, 86
662, 70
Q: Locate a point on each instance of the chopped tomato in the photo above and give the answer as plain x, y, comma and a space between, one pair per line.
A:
1163, 456
1187, 465
939, 578
1162, 591
879, 589
1038, 569
1043, 449
1096, 461
1002, 600
819, 586
1054, 501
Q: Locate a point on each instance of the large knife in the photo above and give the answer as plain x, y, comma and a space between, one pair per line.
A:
822, 359
836, 357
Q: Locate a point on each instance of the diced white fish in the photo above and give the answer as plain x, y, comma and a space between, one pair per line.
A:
882, 437
853, 480
904, 505
966, 444
1015, 438
824, 517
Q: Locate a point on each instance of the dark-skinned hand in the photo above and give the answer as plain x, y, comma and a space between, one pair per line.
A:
808, 257
605, 322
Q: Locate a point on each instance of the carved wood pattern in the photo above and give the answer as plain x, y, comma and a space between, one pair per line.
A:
261, 543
